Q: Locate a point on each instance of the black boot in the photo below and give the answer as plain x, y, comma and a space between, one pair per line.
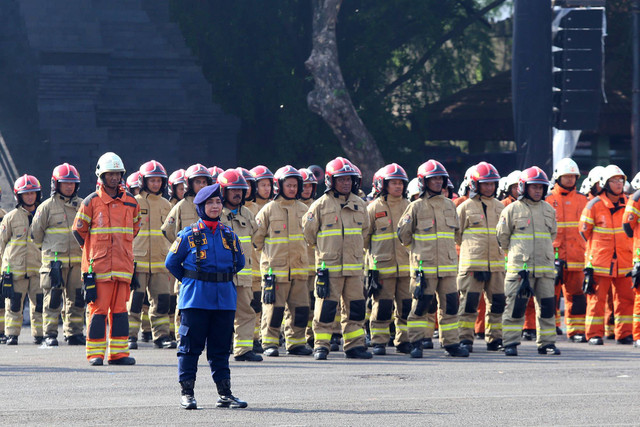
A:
37, 340
228, 400
455, 350
147, 336
468, 344
51, 341
427, 344
416, 351
335, 342
3, 338
78, 339
12, 340
358, 353
133, 343
187, 399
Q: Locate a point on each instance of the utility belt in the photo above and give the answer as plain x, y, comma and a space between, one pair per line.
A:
208, 277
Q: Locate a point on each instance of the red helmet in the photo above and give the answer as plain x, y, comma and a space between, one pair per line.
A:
195, 171
261, 172
308, 177
176, 178
65, 173
429, 169
251, 182
215, 171
393, 171
339, 167
26, 184
377, 183
133, 181
532, 175
483, 172
283, 173
232, 179
358, 181
150, 169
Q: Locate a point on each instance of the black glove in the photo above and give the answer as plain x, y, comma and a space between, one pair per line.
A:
524, 291
55, 274
7, 285
559, 264
589, 283
418, 291
635, 275
322, 283
482, 276
89, 287
269, 289
135, 284
372, 284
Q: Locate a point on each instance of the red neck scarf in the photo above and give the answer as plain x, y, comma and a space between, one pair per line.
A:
211, 224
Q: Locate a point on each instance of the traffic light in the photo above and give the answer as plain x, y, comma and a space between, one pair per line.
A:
577, 67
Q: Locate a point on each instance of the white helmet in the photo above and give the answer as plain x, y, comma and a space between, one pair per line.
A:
585, 188
413, 188
609, 172
635, 182
565, 166
109, 162
502, 187
464, 185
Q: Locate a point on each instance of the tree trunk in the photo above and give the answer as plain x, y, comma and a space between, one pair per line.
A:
330, 98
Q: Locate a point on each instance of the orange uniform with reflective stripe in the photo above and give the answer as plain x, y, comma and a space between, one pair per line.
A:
105, 228
632, 218
568, 244
608, 247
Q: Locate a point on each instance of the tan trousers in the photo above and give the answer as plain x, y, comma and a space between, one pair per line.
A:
394, 290
158, 288
244, 322
513, 317
471, 290
13, 306
420, 327
70, 297
292, 305
348, 292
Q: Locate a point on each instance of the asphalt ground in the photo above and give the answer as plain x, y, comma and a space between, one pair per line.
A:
586, 385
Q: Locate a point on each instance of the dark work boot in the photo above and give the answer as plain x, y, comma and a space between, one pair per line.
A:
468, 344
187, 399
12, 340
628, 340
403, 347
228, 400
456, 350
416, 351
511, 350
78, 339
379, 349
123, 361
427, 344
51, 341
164, 342
133, 343
249, 356
335, 342
38, 340
549, 349
3, 338
147, 336
257, 347
320, 353
495, 345
358, 353
528, 334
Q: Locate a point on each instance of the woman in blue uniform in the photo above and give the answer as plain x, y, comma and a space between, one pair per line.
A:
204, 257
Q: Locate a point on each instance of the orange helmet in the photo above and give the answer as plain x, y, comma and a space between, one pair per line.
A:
195, 171
133, 181
261, 172
150, 169
65, 173
339, 166
283, 173
176, 178
483, 172
215, 171
26, 184
429, 169
532, 175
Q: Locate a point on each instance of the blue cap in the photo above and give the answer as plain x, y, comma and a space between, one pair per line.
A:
207, 193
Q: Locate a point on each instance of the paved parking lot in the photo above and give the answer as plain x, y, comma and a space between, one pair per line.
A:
586, 385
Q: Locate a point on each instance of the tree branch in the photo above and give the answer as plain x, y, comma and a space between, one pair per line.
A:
454, 32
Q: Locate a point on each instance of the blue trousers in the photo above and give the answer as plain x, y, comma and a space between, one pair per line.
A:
197, 328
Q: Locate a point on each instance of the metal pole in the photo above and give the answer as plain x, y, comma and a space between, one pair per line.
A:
635, 115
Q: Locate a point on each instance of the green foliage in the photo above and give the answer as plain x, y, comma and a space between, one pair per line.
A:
253, 53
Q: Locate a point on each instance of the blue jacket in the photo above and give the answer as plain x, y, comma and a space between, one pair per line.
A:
218, 258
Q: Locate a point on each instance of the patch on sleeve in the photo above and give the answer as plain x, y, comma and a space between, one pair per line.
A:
175, 245
309, 216
381, 214
406, 219
630, 217
259, 222
79, 225
503, 220
171, 220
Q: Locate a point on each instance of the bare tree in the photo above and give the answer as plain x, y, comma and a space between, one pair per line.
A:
330, 98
